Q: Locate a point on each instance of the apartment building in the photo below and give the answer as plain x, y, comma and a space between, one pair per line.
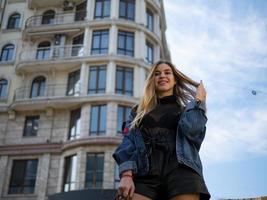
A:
70, 71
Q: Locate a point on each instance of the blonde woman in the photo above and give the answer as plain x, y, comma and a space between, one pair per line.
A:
159, 155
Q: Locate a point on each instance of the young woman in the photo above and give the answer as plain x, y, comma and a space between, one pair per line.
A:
159, 155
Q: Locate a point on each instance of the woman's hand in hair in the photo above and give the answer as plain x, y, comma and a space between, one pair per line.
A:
126, 186
201, 92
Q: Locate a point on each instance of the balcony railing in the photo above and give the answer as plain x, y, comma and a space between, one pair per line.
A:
49, 91
53, 52
55, 19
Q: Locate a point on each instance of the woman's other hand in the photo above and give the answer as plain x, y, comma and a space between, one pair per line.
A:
126, 186
201, 92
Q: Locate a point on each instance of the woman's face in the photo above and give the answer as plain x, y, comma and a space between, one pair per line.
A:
164, 80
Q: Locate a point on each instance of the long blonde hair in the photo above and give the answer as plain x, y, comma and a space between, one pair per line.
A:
184, 90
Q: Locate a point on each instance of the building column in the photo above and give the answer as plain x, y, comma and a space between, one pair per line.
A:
85, 114
111, 76
156, 53
83, 79
140, 12
109, 169
3, 172
157, 25
139, 46
86, 42
114, 10
111, 119
139, 80
113, 40
90, 6
42, 177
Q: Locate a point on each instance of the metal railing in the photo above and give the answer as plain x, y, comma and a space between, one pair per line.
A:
52, 52
55, 19
59, 90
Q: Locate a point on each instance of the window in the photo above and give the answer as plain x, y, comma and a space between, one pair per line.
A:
75, 124
116, 177
97, 80
43, 51
31, 126
3, 88
38, 87
123, 113
7, 52
127, 9
23, 176
102, 8
124, 80
48, 17
74, 84
13, 21
94, 170
80, 12
98, 120
77, 45
149, 20
100, 42
126, 43
149, 52
70, 173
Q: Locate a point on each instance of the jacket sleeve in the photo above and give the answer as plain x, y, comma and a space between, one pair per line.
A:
193, 121
126, 153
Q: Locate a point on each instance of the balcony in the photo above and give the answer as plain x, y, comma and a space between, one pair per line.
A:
48, 58
67, 23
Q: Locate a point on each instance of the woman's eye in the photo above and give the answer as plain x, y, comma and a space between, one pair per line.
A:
157, 73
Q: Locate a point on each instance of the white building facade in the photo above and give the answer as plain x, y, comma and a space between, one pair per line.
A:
70, 71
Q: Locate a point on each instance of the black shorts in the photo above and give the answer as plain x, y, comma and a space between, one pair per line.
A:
168, 179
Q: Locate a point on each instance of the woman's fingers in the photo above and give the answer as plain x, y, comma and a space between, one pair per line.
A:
126, 187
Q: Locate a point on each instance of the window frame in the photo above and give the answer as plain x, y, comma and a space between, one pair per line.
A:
98, 120
3, 92
22, 182
96, 169
41, 87
103, 3
74, 79
126, 12
7, 48
70, 171
98, 70
75, 122
13, 21
126, 36
149, 47
34, 119
122, 90
100, 50
150, 15
126, 110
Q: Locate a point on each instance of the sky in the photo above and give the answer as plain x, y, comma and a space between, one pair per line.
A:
224, 43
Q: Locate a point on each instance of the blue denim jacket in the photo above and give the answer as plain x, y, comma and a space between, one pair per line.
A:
131, 153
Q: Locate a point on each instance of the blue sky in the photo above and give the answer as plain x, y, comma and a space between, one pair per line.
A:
224, 43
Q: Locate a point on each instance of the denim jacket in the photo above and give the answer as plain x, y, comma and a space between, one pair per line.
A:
131, 153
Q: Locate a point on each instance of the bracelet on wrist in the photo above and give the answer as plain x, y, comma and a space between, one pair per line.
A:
127, 175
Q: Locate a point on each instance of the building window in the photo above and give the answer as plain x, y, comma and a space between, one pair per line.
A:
43, 51
94, 170
48, 17
7, 52
149, 52
77, 45
75, 124
3, 88
149, 20
73, 88
126, 43
116, 177
123, 113
127, 9
102, 8
98, 120
97, 80
13, 21
100, 42
70, 173
23, 176
31, 126
38, 87
124, 80
80, 12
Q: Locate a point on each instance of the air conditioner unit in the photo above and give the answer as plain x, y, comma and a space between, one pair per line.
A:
67, 5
